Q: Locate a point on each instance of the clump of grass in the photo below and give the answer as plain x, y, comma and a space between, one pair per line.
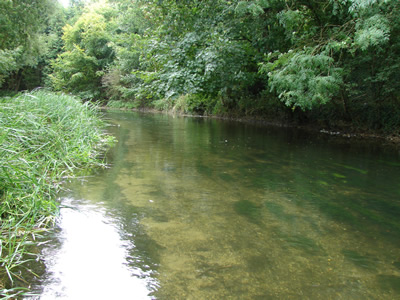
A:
44, 138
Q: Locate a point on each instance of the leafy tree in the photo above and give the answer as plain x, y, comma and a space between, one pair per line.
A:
87, 53
128, 36
336, 58
303, 79
24, 41
187, 48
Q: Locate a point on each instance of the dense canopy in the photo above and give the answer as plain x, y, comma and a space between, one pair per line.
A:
332, 62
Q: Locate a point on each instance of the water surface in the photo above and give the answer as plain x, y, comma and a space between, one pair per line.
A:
193, 208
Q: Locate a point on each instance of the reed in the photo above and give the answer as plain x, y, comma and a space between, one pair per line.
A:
44, 139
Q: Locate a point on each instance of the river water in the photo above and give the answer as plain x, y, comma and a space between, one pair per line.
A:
194, 208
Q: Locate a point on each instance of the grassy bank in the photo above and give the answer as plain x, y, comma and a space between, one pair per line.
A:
44, 139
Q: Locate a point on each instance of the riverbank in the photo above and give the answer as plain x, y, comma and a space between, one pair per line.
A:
344, 131
45, 138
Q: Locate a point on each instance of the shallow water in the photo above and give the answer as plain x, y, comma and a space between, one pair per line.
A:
193, 208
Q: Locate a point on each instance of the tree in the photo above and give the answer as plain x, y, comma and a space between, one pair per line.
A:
338, 57
87, 53
348, 37
183, 48
23, 40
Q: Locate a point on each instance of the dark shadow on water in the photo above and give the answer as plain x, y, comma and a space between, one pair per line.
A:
278, 211
360, 260
308, 246
397, 264
389, 282
259, 263
248, 210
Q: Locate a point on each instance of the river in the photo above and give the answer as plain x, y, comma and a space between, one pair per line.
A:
196, 208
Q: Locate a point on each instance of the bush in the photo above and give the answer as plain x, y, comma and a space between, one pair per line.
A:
123, 104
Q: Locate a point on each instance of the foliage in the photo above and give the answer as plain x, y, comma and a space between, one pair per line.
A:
177, 55
26, 39
194, 59
372, 32
8, 63
44, 138
86, 55
304, 80
123, 104
198, 104
244, 55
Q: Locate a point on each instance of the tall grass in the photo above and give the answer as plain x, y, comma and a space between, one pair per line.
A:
44, 138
